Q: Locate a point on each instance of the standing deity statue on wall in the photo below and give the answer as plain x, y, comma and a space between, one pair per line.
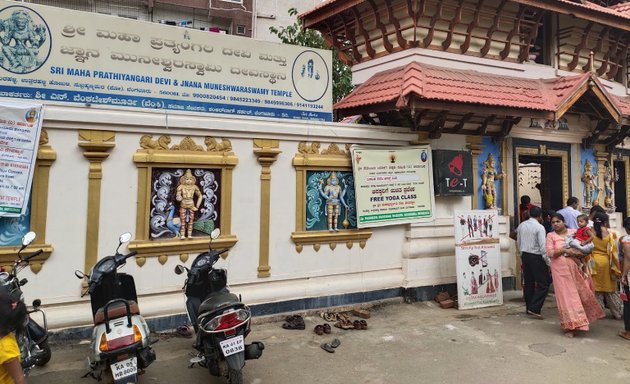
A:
185, 194
488, 176
610, 177
590, 187
333, 193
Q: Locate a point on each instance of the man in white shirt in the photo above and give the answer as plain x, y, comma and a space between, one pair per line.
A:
570, 212
530, 238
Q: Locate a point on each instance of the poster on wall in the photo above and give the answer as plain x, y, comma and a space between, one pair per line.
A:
478, 259
20, 126
452, 173
54, 55
393, 185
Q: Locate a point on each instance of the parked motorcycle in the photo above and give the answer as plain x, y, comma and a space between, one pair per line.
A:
220, 319
121, 343
32, 338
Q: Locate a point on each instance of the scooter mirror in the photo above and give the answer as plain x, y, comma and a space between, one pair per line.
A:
179, 269
79, 274
125, 237
28, 238
215, 234
37, 303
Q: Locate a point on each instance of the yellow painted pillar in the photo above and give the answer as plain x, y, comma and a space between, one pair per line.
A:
95, 145
266, 151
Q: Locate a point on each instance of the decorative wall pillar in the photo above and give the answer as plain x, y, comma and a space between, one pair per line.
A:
473, 143
95, 145
266, 151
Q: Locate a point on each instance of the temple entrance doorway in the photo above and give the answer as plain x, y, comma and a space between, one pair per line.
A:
538, 178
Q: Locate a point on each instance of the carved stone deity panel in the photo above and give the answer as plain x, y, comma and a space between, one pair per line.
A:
166, 212
318, 187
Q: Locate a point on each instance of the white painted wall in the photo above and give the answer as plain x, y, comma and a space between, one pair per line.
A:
394, 256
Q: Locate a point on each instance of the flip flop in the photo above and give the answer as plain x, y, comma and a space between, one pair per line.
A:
335, 343
535, 315
624, 334
293, 325
328, 348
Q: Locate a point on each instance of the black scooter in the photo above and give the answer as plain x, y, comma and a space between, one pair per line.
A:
121, 342
33, 338
220, 319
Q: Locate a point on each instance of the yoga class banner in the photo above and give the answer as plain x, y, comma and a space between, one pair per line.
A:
393, 185
477, 259
20, 125
53, 54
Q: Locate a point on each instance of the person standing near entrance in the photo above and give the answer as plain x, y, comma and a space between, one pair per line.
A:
570, 212
577, 305
606, 270
531, 238
624, 242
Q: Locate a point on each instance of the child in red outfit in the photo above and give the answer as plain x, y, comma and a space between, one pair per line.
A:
583, 241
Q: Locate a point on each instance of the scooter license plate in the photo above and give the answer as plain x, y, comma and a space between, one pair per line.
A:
124, 368
233, 345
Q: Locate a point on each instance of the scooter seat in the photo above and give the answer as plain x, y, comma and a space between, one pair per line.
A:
116, 310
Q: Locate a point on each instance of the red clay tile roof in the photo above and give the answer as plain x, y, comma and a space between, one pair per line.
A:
433, 83
621, 10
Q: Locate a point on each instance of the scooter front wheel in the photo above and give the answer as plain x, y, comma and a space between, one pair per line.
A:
44, 356
235, 376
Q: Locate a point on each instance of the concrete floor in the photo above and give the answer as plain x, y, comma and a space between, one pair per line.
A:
405, 343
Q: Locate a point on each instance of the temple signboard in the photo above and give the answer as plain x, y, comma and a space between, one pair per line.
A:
55, 55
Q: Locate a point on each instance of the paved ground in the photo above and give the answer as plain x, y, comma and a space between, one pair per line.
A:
405, 343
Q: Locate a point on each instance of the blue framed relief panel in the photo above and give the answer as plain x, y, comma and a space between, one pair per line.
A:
588, 178
12, 229
321, 216
166, 211
491, 151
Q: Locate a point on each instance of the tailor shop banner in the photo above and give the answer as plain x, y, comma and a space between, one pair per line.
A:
392, 185
452, 173
477, 259
20, 126
60, 55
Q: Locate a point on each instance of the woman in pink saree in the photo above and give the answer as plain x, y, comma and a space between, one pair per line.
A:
577, 305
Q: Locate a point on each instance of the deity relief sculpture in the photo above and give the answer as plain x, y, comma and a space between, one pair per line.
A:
21, 40
610, 177
590, 187
488, 177
185, 194
333, 193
